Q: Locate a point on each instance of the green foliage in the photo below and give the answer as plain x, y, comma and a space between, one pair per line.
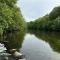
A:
8, 2
10, 15
49, 22
55, 13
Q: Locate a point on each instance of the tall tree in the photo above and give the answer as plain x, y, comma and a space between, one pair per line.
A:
55, 13
10, 15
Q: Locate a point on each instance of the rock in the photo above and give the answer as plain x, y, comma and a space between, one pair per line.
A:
6, 58
17, 54
5, 54
21, 59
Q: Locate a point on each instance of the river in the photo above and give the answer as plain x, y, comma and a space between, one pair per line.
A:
35, 45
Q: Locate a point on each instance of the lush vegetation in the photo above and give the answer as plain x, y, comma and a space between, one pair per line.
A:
49, 22
10, 16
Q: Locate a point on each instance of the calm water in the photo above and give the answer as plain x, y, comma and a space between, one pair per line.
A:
34, 45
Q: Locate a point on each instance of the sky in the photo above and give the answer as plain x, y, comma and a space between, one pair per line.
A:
33, 9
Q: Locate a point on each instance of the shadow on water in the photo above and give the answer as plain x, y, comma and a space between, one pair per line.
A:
53, 38
11, 41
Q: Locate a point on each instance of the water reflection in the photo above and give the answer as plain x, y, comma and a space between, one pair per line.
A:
14, 40
34, 45
10, 41
37, 46
53, 38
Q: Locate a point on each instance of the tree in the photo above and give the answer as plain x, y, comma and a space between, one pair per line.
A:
10, 16
54, 13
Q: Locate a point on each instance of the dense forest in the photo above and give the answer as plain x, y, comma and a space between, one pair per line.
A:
49, 22
10, 16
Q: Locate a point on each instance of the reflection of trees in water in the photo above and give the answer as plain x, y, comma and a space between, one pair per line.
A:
53, 38
13, 40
